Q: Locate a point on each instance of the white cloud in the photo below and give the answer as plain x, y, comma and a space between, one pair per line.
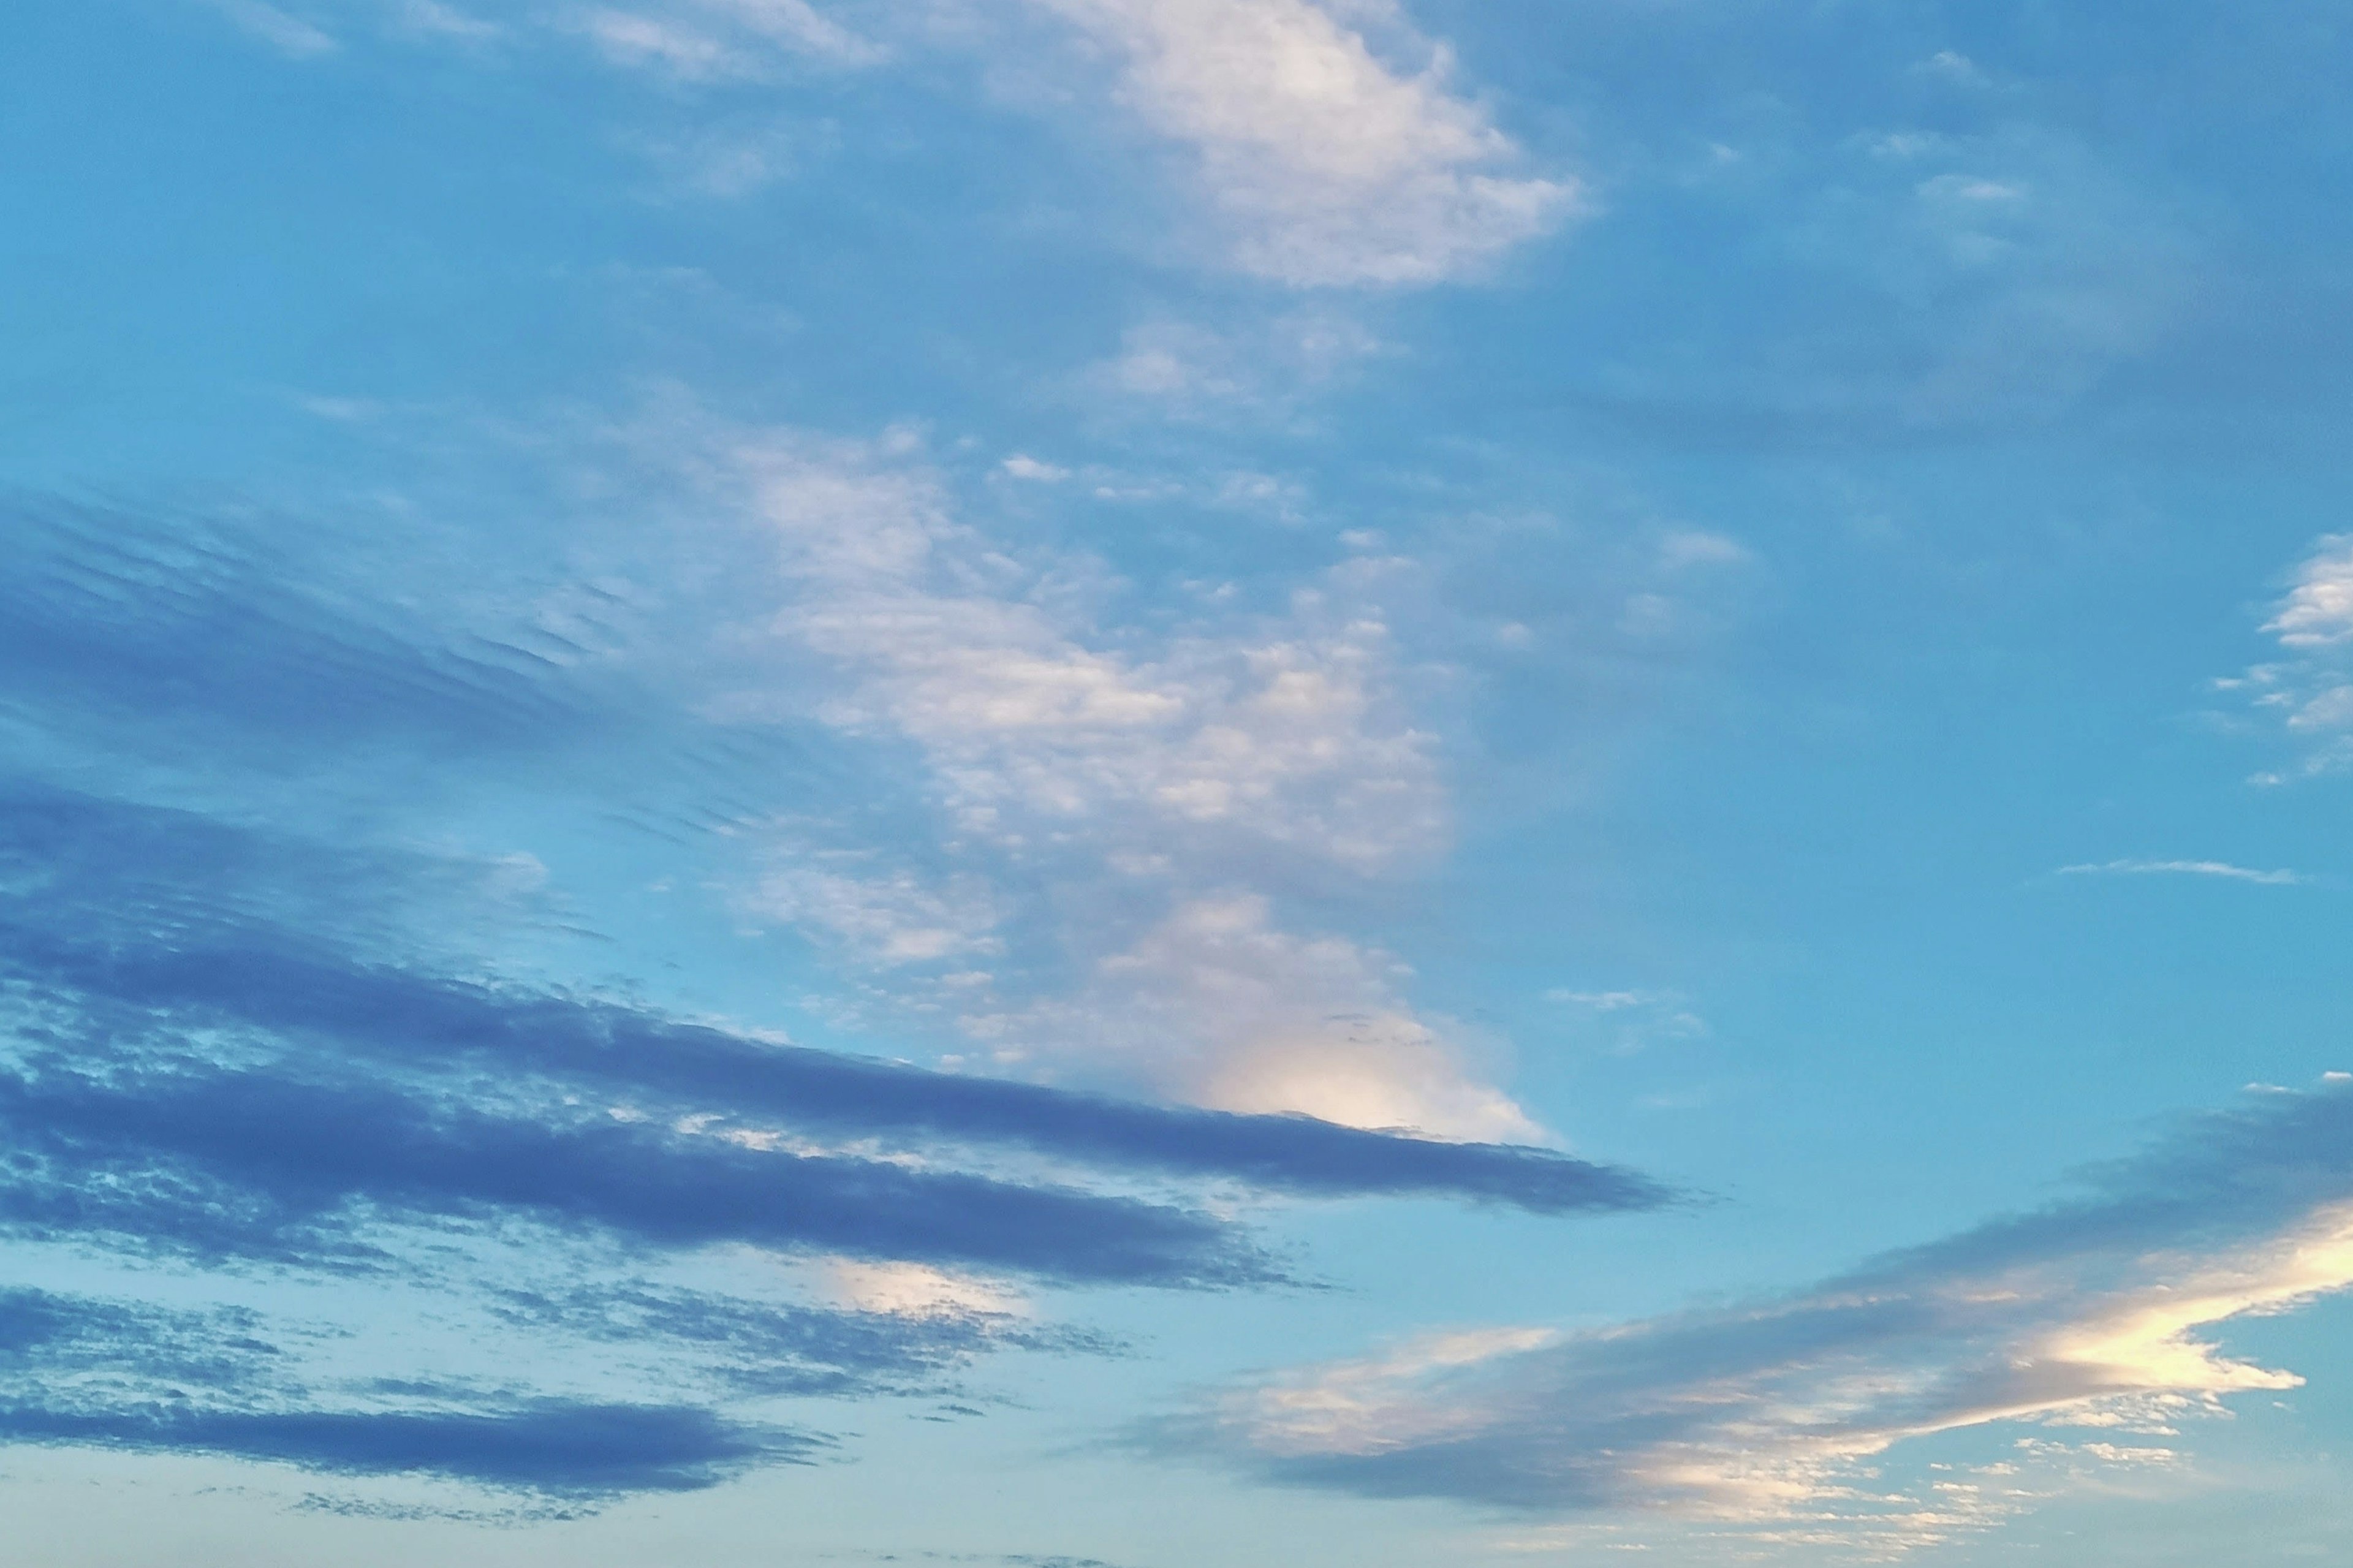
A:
1692, 547
1185, 368
288, 34
2309, 689
630, 38
1022, 466
434, 18
1286, 738
1216, 1007
1326, 166
888, 919
704, 40
2318, 611
2085, 1315
1117, 811
911, 1290
2221, 868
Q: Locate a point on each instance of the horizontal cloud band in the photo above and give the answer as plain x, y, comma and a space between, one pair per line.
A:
560, 1448
274, 984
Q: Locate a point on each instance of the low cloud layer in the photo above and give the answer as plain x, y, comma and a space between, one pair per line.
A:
2097, 1315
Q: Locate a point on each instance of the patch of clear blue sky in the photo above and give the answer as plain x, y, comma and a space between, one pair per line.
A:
2007, 508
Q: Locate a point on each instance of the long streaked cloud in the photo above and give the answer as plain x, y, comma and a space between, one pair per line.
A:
83, 867
2095, 1314
89, 1371
2221, 868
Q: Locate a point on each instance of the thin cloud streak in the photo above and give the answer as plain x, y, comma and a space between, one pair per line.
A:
2222, 869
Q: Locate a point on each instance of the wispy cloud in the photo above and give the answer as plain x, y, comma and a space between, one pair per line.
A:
719, 40
2222, 869
2085, 1315
288, 34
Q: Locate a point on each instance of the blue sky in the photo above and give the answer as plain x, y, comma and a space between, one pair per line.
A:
1120, 783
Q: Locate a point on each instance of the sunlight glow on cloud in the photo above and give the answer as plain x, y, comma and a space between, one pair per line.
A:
2086, 1314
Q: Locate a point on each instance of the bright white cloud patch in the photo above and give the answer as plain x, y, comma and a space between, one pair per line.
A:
911, 1290
2309, 689
1286, 734
2318, 611
2095, 1314
1328, 165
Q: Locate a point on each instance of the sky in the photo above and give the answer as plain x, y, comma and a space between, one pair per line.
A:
1175, 783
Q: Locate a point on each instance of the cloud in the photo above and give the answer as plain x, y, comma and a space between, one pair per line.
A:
888, 919
562, 1447
2318, 611
1022, 466
90, 1371
224, 1163
1149, 781
2184, 868
719, 40
862, 1341
289, 35
149, 630
182, 1079
1266, 369
1217, 1006
433, 18
2085, 1314
263, 1062
113, 952
1325, 164
2309, 689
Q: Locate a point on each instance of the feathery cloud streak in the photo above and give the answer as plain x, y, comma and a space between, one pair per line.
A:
2221, 868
